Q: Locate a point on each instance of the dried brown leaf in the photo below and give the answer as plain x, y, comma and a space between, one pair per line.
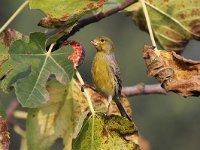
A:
175, 72
4, 135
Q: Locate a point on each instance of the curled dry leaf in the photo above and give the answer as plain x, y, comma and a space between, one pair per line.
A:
175, 72
4, 135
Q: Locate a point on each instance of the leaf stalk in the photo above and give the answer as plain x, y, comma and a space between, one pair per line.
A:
86, 93
22, 6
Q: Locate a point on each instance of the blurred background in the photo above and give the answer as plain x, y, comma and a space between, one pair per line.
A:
168, 122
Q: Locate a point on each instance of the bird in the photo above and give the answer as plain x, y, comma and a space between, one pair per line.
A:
106, 74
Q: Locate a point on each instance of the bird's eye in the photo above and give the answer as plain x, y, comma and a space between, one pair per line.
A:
102, 40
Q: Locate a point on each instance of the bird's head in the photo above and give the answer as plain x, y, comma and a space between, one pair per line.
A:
103, 44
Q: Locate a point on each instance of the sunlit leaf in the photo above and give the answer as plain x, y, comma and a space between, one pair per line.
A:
63, 115
62, 12
31, 90
174, 22
107, 132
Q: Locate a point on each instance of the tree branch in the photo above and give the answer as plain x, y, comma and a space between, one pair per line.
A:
84, 22
142, 89
11, 109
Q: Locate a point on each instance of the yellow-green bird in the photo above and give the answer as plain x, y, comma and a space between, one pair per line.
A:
105, 72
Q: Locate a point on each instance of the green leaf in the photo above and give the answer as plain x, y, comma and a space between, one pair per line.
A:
31, 90
2, 111
110, 4
62, 12
63, 115
60, 117
9, 69
174, 23
107, 132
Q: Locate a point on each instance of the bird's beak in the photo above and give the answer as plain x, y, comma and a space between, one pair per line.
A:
94, 42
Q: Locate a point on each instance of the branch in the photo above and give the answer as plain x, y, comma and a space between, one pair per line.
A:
84, 22
11, 109
141, 89
13, 106
87, 95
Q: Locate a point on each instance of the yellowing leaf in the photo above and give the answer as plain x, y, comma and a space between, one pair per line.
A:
63, 115
175, 72
174, 22
56, 119
62, 12
107, 132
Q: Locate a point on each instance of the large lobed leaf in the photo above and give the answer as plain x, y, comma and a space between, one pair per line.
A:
56, 119
174, 22
107, 132
31, 90
62, 12
63, 115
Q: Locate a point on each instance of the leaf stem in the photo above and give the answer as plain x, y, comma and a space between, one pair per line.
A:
20, 114
23, 5
87, 95
19, 130
148, 23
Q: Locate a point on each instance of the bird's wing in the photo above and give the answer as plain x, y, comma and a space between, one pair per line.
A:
116, 72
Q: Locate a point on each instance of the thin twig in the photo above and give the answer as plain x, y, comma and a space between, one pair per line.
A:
11, 109
19, 130
142, 89
20, 114
84, 22
23, 5
85, 91
148, 24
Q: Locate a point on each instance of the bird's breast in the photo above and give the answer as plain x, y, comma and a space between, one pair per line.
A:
102, 75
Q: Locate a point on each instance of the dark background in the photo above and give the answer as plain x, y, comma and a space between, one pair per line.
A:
168, 122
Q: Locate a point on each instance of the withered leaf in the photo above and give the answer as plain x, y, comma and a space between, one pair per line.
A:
175, 72
4, 134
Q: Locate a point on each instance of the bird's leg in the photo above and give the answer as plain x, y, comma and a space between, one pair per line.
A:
109, 101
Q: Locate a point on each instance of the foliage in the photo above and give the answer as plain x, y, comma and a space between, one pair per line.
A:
42, 68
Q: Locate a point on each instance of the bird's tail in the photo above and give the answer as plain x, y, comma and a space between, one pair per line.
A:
121, 108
